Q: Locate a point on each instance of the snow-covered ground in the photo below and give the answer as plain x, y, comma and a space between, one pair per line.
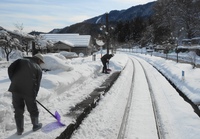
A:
70, 81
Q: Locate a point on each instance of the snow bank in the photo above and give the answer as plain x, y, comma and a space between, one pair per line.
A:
55, 62
188, 84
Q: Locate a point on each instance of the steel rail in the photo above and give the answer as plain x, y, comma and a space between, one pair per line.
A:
121, 134
122, 130
160, 130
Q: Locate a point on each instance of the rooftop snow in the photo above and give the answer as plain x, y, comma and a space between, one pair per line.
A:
75, 40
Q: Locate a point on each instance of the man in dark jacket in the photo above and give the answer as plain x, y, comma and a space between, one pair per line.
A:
105, 59
25, 75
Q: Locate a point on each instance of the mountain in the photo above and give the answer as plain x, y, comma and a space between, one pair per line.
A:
143, 11
91, 26
56, 30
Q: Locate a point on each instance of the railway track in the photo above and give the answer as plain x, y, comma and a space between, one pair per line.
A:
140, 118
135, 100
147, 110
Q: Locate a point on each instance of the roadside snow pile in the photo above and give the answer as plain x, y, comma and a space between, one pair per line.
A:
117, 62
68, 54
55, 62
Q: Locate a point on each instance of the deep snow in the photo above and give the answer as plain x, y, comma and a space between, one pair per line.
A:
72, 80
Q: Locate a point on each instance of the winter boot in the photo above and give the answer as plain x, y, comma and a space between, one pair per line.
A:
36, 124
20, 125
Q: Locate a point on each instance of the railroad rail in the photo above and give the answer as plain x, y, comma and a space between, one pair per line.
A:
122, 131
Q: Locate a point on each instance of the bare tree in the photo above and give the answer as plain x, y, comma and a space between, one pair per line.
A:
8, 43
43, 44
19, 27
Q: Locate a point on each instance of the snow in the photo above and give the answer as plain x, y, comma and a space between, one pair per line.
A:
139, 110
173, 71
68, 81
178, 117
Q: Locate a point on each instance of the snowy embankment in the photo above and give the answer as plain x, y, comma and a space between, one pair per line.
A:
65, 84
188, 84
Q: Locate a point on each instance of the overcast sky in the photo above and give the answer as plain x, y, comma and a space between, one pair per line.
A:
45, 15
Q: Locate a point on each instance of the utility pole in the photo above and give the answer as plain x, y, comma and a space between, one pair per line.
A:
177, 53
33, 48
107, 35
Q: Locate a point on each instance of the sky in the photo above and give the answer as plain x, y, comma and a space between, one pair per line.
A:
71, 81
46, 15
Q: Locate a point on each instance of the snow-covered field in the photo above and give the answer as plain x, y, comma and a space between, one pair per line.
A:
70, 81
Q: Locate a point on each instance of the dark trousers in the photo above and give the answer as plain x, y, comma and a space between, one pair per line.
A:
19, 103
104, 66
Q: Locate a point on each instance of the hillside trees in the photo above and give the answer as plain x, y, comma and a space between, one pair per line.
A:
120, 32
189, 17
138, 26
180, 17
148, 35
130, 31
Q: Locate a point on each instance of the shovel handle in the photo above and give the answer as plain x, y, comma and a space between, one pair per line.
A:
46, 109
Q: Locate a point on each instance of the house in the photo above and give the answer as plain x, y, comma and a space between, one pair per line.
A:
191, 45
186, 42
195, 41
70, 42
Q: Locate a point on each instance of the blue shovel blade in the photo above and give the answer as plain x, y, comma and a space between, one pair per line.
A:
57, 116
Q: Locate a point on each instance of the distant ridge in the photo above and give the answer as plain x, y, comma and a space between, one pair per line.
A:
143, 11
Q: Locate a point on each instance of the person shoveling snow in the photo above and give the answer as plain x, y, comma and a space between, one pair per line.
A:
25, 75
105, 59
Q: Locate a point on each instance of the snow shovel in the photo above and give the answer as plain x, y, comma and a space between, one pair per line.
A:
56, 116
